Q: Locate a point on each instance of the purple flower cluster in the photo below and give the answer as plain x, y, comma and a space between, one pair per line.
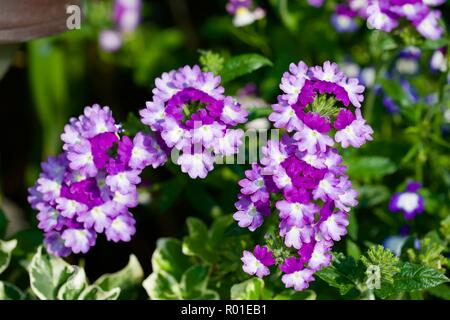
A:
191, 114
410, 202
387, 15
126, 16
302, 176
89, 188
244, 12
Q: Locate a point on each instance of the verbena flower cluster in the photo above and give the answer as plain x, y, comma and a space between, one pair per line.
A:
301, 177
89, 188
191, 114
387, 15
126, 17
244, 12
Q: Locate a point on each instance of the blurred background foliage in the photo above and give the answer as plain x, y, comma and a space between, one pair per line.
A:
54, 78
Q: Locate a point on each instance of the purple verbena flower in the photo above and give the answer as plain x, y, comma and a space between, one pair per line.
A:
257, 263
191, 114
410, 202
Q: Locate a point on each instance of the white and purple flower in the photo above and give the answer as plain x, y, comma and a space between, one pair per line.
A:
257, 263
410, 202
190, 113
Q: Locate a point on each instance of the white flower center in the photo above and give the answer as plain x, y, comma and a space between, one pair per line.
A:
408, 201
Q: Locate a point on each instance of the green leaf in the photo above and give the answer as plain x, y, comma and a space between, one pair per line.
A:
6, 248
3, 224
161, 285
49, 86
373, 195
170, 191
74, 286
205, 243
194, 281
395, 91
412, 277
133, 125
195, 243
128, 279
168, 257
28, 242
353, 249
8, 291
342, 274
335, 279
442, 291
94, 292
296, 295
251, 289
369, 168
353, 226
240, 65
48, 274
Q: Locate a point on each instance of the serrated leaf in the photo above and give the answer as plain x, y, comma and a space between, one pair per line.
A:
162, 286
342, 274
240, 65
335, 279
6, 248
48, 274
74, 285
168, 257
251, 289
94, 292
412, 277
128, 279
8, 291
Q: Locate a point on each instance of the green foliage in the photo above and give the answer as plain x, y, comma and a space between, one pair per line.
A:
211, 61
251, 289
385, 260
430, 254
369, 169
3, 223
49, 87
8, 291
240, 65
128, 279
66, 72
175, 276
52, 278
411, 277
6, 248
342, 274
205, 243
445, 228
